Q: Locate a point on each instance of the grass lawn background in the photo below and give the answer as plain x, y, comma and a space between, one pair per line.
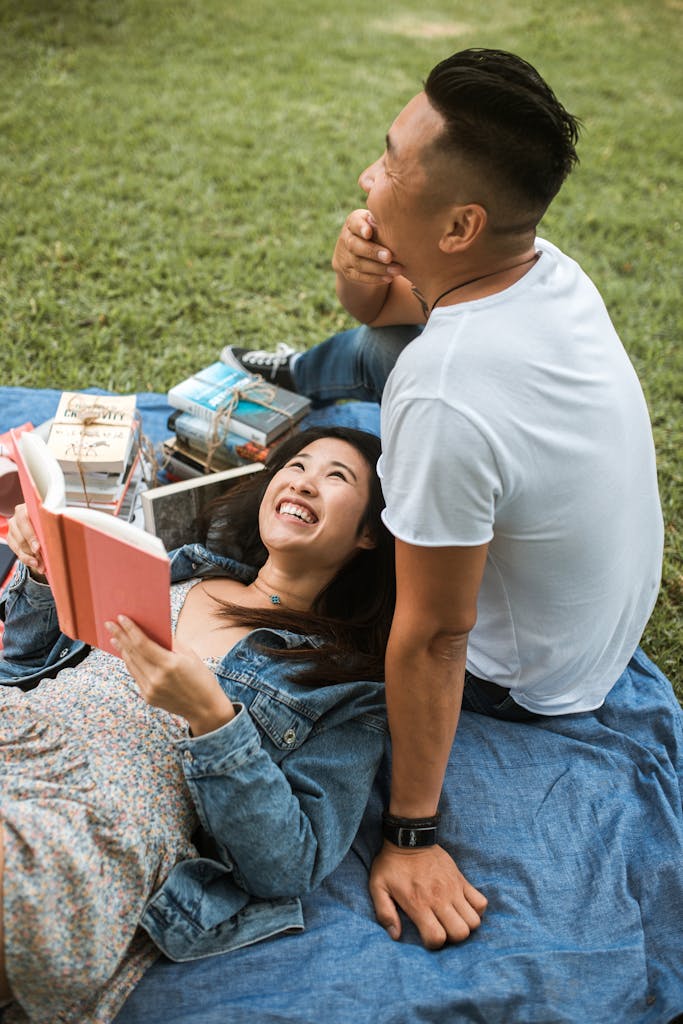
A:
173, 177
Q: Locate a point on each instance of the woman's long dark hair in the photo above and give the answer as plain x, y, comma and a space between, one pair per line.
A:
352, 614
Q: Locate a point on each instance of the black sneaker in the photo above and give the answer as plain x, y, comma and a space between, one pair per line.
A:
272, 366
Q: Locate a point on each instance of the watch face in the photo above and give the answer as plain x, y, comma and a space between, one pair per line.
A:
409, 837
409, 833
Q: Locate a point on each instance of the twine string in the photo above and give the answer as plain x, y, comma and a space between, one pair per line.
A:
90, 414
256, 390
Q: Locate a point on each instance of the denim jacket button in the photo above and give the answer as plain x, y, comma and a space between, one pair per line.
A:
63, 653
189, 756
289, 737
195, 565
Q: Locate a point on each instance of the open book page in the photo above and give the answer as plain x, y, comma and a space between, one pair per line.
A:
98, 566
42, 486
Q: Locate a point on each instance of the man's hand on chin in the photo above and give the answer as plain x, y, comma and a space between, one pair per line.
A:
428, 886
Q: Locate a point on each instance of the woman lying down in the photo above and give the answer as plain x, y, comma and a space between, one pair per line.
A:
181, 801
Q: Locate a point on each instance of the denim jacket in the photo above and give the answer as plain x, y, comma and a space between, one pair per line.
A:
279, 790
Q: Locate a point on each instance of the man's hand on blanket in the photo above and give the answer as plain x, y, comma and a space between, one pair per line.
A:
428, 886
24, 543
177, 680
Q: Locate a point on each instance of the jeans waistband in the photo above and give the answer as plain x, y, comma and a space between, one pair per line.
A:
493, 690
487, 698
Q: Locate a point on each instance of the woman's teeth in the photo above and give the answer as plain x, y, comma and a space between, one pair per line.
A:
288, 508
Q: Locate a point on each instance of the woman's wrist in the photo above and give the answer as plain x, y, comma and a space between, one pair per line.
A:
207, 720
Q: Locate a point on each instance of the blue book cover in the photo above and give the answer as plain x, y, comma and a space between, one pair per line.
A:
272, 411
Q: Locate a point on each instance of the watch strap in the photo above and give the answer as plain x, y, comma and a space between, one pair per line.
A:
410, 833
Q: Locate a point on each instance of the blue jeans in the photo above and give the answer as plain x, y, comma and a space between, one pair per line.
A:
484, 698
354, 364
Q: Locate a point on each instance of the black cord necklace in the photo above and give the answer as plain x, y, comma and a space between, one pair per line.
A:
481, 277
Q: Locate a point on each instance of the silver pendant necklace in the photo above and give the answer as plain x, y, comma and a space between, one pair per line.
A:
273, 598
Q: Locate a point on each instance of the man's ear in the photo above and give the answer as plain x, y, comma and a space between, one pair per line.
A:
466, 223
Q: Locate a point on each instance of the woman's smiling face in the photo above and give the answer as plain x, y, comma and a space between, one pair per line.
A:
316, 502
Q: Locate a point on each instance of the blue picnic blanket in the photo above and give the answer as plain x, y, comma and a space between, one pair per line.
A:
21, 405
572, 827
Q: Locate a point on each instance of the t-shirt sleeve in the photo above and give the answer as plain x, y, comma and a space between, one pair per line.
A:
439, 476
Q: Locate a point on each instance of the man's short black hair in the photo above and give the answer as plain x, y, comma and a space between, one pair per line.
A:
507, 122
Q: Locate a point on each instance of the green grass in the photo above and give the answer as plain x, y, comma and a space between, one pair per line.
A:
173, 177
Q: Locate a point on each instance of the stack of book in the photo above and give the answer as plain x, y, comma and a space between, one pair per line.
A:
92, 437
206, 438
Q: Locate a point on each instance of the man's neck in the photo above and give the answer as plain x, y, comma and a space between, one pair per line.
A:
453, 282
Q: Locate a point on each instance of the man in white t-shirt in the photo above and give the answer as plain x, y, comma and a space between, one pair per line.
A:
516, 422
518, 463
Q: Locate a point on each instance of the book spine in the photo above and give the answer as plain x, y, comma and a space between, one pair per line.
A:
59, 576
247, 432
81, 586
124, 492
178, 468
195, 433
179, 400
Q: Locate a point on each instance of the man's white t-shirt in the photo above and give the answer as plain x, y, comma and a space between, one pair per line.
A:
517, 420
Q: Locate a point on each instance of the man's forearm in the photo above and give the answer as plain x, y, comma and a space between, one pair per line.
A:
436, 609
362, 301
424, 696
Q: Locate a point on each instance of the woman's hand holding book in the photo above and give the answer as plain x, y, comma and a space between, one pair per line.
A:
176, 680
24, 543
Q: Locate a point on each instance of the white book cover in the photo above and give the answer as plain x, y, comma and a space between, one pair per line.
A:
94, 432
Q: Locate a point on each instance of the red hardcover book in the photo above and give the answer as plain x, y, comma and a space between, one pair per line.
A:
98, 566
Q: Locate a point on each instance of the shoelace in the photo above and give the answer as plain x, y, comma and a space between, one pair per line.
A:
272, 360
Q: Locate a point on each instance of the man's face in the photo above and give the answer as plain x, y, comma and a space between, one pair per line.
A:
397, 185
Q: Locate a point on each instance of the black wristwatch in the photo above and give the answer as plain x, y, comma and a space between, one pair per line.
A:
410, 833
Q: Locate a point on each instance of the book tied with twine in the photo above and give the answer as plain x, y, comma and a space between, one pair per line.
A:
93, 432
